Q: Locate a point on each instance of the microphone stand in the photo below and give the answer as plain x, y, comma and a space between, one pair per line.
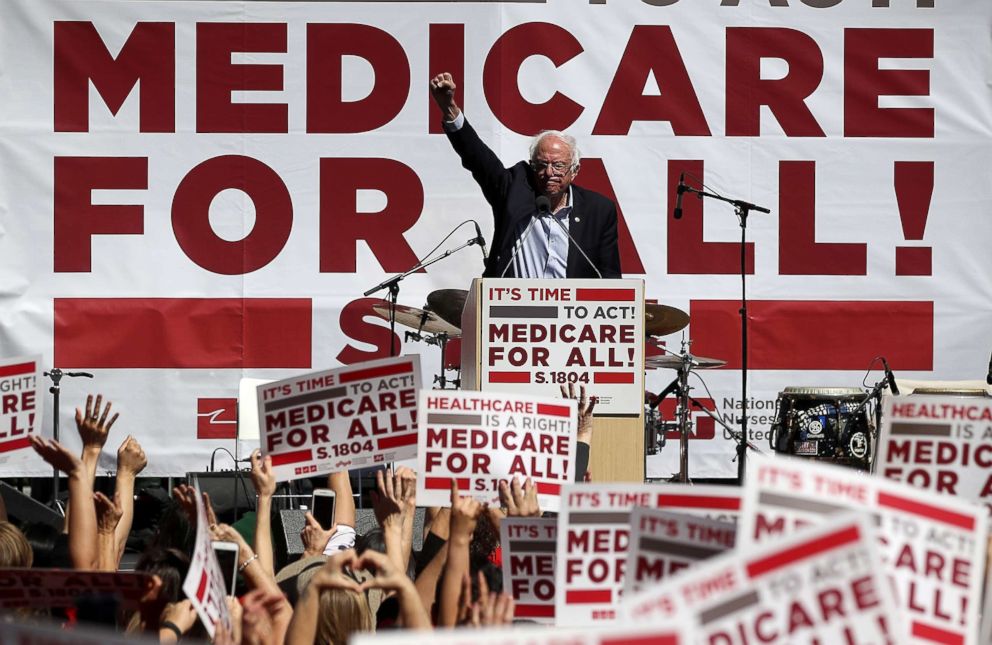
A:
393, 284
56, 375
742, 209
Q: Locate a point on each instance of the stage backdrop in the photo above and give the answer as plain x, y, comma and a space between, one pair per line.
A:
192, 192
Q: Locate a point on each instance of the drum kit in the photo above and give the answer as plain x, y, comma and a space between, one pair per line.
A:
821, 423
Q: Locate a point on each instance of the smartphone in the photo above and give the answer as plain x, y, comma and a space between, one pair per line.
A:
227, 557
322, 507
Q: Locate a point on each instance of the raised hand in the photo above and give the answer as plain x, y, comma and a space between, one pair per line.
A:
331, 575
93, 425
262, 477
584, 409
465, 513
56, 455
314, 537
131, 458
519, 501
443, 92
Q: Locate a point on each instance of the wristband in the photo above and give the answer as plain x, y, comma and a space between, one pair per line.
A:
244, 565
168, 624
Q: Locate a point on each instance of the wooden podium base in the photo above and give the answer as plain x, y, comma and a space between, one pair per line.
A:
617, 451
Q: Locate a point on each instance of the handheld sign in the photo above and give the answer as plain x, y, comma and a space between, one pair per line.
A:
663, 543
204, 583
819, 585
483, 438
40, 588
593, 534
21, 399
933, 545
540, 334
340, 419
939, 443
528, 545
673, 634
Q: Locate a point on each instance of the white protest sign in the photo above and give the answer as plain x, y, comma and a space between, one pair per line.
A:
627, 635
204, 583
593, 533
819, 585
528, 545
340, 419
482, 438
663, 543
940, 443
21, 400
536, 338
933, 545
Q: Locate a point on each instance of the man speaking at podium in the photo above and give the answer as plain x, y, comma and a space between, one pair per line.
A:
545, 227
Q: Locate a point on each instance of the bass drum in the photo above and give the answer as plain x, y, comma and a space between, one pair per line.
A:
823, 423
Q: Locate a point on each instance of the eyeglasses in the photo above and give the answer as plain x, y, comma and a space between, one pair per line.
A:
558, 167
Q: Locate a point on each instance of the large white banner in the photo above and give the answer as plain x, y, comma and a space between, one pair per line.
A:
195, 192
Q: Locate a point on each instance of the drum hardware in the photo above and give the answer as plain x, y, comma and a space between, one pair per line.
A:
674, 362
393, 283
441, 340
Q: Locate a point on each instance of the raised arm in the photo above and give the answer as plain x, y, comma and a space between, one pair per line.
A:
82, 520
394, 503
264, 481
108, 517
131, 460
465, 513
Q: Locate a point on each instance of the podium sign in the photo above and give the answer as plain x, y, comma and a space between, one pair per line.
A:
537, 335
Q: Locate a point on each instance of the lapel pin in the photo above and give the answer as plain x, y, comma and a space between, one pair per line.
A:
576, 219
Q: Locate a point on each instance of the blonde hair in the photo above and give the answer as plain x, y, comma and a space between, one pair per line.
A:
342, 613
14, 548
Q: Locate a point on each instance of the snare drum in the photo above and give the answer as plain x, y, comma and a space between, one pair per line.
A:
823, 423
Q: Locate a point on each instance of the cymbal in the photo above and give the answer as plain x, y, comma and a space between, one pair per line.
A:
661, 320
426, 321
674, 362
448, 304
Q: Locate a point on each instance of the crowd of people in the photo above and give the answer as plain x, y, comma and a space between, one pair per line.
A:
343, 583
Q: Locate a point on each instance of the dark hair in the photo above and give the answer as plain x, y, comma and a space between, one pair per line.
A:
170, 565
174, 530
49, 545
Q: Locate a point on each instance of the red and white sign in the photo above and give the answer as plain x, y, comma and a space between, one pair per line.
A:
528, 545
593, 536
196, 192
40, 588
940, 443
632, 635
933, 546
482, 438
819, 585
663, 543
538, 335
21, 401
340, 419
204, 583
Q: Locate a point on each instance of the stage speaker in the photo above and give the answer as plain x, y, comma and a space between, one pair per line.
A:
26, 509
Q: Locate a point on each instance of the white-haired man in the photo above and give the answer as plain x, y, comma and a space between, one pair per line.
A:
545, 251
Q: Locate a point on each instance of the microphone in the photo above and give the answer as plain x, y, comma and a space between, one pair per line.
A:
679, 192
543, 205
890, 377
481, 241
988, 379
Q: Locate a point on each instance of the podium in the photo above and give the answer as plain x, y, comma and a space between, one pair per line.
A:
533, 336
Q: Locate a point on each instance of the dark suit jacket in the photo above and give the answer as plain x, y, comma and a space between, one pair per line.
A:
510, 192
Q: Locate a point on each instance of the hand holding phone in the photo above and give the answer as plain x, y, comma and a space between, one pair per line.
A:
227, 557
322, 507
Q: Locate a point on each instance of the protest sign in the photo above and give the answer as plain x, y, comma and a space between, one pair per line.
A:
933, 545
340, 419
627, 635
819, 585
52, 633
204, 583
593, 534
528, 545
940, 443
63, 587
538, 335
482, 438
663, 543
21, 400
